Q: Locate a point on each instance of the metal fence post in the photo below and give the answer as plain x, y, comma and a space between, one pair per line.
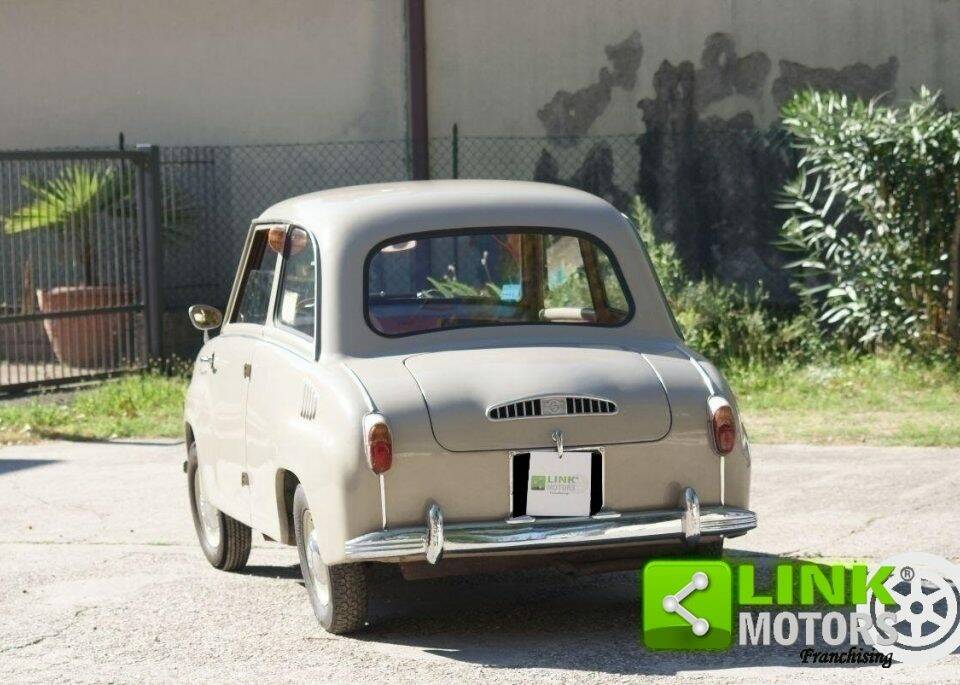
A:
455, 152
149, 212
417, 105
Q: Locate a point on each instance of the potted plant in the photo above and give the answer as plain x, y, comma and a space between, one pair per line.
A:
24, 342
78, 202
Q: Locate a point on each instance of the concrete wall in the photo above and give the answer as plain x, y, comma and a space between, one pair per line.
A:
669, 99
200, 72
695, 84
498, 67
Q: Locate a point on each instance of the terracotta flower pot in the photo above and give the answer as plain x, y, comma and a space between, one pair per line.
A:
24, 342
88, 340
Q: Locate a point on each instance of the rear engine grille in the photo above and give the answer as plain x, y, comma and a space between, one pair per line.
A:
556, 405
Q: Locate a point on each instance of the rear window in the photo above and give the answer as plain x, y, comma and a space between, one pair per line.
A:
493, 277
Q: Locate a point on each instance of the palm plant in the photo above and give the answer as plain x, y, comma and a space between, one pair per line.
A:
72, 201
76, 198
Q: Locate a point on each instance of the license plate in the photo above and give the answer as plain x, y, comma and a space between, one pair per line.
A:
559, 486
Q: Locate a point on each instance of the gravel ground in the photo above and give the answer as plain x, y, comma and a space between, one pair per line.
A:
102, 580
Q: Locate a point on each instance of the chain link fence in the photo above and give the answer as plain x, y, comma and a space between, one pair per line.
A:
713, 192
212, 193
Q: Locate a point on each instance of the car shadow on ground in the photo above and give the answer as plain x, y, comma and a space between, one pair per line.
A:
11, 465
291, 572
548, 619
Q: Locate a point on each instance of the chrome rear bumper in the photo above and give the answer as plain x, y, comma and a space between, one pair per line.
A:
686, 523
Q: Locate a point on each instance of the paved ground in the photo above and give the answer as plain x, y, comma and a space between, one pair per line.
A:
101, 580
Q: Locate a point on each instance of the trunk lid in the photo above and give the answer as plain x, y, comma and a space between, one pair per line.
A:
460, 386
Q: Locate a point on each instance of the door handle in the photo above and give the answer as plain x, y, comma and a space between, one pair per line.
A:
208, 359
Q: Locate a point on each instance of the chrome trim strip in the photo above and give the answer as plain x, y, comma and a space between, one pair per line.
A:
606, 514
704, 376
518, 520
510, 477
371, 409
603, 479
491, 537
690, 522
723, 480
383, 502
435, 533
368, 400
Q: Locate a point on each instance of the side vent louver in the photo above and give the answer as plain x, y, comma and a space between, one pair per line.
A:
309, 403
562, 405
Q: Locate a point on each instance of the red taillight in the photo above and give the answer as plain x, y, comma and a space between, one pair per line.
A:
724, 425
378, 444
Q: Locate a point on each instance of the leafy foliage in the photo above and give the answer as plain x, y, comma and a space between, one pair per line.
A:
449, 287
77, 197
874, 216
726, 323
70, 200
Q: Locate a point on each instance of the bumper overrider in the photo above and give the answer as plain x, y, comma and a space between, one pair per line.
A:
687, 523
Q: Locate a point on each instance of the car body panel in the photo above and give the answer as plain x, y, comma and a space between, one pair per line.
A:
502, 375
221, 436
299, 413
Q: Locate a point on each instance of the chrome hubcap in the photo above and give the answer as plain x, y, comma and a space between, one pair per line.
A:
209, 514
319, 576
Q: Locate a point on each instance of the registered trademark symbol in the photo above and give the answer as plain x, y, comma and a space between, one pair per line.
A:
907, 573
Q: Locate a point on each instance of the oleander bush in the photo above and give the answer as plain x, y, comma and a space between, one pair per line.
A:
874, 218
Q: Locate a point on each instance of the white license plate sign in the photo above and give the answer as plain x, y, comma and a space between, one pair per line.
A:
559, 486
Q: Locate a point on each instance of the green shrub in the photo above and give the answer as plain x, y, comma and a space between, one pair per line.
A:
875, 217
727, 323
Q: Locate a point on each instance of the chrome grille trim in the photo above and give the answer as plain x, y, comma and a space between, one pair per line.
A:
550, 406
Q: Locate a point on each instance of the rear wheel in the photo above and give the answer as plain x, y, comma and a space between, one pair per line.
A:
338, 593
225, 541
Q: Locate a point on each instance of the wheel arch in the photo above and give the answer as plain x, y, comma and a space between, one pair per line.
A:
286, 486
188, 436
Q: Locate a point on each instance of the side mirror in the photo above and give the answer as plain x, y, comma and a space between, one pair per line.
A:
205, 318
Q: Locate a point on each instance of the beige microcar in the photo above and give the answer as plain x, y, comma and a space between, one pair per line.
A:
455, 377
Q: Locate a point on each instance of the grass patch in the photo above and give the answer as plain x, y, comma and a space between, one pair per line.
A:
144, 405
889, 400
882, 400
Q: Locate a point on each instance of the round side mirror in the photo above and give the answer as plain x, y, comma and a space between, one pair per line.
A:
204, 317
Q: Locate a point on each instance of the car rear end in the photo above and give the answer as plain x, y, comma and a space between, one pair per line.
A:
510, 322
460, 472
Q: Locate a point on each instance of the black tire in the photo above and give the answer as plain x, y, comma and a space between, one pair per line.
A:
230, 548
341, 606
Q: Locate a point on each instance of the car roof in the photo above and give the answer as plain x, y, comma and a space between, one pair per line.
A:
349, 223
353, 209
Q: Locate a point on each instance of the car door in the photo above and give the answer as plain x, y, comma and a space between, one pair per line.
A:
283, 384
230, 357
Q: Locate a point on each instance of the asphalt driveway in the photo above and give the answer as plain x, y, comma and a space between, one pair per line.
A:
101, 580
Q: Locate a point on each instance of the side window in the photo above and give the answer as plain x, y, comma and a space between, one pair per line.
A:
297, 301
253, 298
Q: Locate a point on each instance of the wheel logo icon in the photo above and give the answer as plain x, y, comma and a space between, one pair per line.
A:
926, 589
